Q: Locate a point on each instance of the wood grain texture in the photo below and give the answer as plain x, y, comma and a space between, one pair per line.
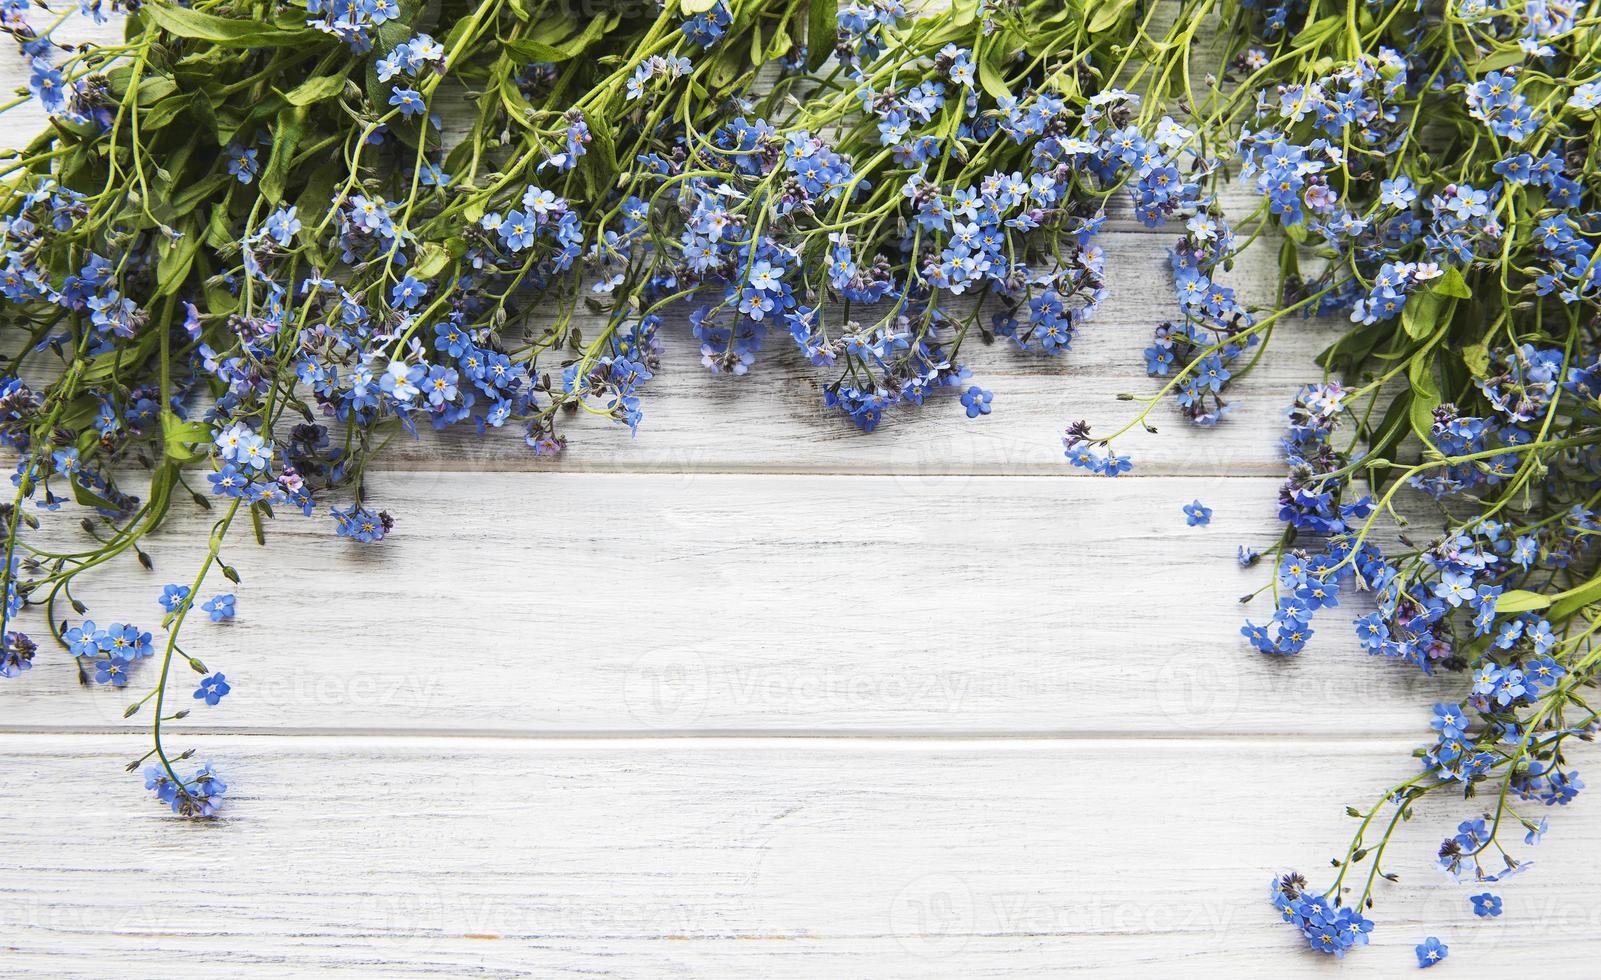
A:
1007, 725
548, 603
782, 858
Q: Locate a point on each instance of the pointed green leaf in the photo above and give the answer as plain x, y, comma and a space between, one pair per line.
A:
319, 89
822, 32
227, 31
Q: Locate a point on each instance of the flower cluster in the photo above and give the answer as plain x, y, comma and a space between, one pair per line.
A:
1438, 202
271, 303
1327, 926
325, 269
272, 307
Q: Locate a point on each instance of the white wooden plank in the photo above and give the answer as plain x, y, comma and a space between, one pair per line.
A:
542, 603
781, 858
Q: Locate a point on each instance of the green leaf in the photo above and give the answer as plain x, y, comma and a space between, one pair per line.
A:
228, 32
103, 366
555, 52
1477, 358
989, 71
692, 7
179, 438
88, 498
1108, 14
187, 199
291, 124
1397, 422
781, 44
1428, 311
320, 182
153, 86
725, 67
1499, 60
219, 299
1320, 31
176, 258
431, 259
1425, 398
822, 31
1520, 600
162, 113
1565, 604
1424, 312
1452, 284
219, 230
204, 111
537, 51
321, 88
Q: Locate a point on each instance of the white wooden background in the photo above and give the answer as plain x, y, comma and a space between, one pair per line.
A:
757, 694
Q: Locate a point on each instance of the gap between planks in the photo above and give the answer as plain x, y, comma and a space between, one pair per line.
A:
840, 736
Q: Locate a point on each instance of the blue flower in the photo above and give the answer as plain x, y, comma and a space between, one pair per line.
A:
281, 226
228, 481
1327, 928
66, 461
440, 385
1430, 952
242, 163
84, 640
1115, 465
1456, 588
517, 231
16, 653
1197, 514
409, 101
1449, 720
49, 86
407, 293
1486, 905
361, 524
1372, 632
1397, 193
172, 596
705, 28
212, 689
220, 607
127, 642
199, 796
111, 669
977, 401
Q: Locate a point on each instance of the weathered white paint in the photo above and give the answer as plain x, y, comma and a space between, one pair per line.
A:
737, 857
997, 720
666, 602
